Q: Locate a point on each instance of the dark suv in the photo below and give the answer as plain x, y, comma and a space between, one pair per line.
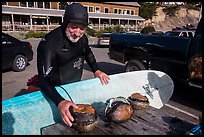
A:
15, 53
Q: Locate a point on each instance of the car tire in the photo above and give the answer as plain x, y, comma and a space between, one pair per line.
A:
19, 63
134, 65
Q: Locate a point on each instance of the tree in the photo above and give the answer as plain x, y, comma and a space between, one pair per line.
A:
147, 10
147, 30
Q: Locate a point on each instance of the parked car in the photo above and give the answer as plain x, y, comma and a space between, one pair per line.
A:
133, 32
180, 58
103, 39
15, 53
180, 33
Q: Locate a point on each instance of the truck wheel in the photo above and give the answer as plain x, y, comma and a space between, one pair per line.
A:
134, 65
19, 63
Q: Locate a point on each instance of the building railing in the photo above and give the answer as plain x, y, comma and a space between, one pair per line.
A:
35, 28
47, 28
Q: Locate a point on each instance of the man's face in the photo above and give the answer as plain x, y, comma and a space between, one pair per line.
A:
75, 31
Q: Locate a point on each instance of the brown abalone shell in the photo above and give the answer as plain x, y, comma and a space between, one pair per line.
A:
138, 101
118, 110
85, 118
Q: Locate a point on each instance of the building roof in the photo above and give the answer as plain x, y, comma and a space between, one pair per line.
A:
60, 13
125, 3
31, 11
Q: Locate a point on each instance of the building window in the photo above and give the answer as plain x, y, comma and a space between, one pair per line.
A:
27, 4
86, 7
124, 11
23, 20
90, 9
115, 11
106, 10
132, 12
23, 4
40, 4
6, 20
97, 9
4, 3
31, 4
119, 11
63, 5
128, 12
47, 5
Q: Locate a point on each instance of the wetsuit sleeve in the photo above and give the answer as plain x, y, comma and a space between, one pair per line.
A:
44, 66
89, 57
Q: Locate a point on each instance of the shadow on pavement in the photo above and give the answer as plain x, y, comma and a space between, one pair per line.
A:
108, 68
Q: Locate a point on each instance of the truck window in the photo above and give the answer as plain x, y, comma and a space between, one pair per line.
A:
190, 34
183, 34
171, 33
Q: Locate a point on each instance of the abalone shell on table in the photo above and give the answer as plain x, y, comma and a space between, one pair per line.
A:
119, 111
85, 118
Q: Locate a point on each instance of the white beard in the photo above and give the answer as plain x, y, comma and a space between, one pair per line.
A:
71, 38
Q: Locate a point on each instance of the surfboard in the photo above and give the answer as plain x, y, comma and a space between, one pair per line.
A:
29, 113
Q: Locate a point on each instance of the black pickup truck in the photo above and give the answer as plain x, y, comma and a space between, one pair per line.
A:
179, 57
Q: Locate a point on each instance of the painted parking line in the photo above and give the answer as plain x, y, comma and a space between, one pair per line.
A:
185, 112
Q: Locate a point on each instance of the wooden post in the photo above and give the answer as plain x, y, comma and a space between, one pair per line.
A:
135, 25
99, 22
31, 22
128, 25
13, 27
47, 24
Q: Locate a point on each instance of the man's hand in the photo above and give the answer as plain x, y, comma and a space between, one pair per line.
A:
65, 113
104, 78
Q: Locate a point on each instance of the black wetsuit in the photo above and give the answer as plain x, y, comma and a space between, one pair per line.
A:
59, 61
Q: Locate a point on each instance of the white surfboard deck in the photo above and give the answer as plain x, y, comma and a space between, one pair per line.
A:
155, 85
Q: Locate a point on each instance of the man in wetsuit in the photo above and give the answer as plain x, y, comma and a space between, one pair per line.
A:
60, 58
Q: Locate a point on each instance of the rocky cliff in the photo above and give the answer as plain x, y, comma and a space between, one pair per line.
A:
182, 17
